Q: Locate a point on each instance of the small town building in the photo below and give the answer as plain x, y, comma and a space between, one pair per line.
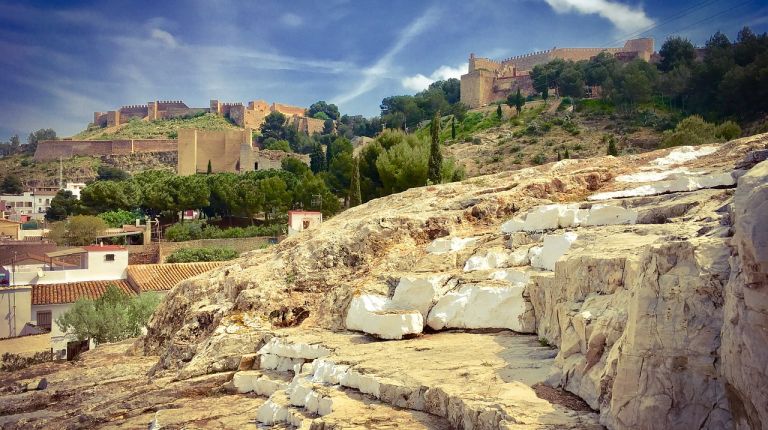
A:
299, 221
10, 229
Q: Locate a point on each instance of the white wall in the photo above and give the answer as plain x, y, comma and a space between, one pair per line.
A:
296, 221
59, 339
98, 269
12, 322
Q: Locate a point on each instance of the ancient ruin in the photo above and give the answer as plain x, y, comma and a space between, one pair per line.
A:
489, 80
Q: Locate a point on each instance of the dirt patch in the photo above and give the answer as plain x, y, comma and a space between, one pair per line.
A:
561, 397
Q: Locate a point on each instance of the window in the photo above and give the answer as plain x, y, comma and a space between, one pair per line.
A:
109, 257
44, 319
256, 166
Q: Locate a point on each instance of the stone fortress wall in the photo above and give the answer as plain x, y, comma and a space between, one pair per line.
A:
488, 80
50, 150
251, 116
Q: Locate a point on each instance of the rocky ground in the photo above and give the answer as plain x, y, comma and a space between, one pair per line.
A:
635, 283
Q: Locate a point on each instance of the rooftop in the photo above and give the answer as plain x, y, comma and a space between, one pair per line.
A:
92, 248
70, 292
163, 277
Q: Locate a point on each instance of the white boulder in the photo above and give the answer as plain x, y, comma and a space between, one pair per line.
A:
449, 244
555, 246
517, 277
280, 347
373, 314
513, 225
420, 292
245, 381
680, 183
519, 257
478, 306
604, 214
493, 259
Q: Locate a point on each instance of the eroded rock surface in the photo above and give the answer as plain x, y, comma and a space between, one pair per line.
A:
654, 305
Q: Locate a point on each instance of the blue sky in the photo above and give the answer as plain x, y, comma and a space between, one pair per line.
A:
63, 60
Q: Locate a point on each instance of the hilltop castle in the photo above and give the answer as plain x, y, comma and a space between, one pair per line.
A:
488, 80
250, 116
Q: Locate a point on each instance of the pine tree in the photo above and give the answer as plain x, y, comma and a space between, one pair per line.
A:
355, 197
567, 155
435, 157
498, 111
612, 150
210, 169
453, 128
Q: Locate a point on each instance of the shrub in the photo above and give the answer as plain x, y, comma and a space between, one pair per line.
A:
539, 159
112, 317
12, 362
690, 131
476, 141
728, 130
191, 255
182, 232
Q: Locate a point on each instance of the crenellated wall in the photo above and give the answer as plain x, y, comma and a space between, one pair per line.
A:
489, 80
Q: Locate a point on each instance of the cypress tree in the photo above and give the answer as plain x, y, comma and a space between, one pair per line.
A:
519, 101
558, 156
317, 159
612, 150
498, 111
435, 157
567, 155
453, 127
210, 170
355, 197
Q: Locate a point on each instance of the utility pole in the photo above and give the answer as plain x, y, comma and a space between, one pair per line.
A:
61, 174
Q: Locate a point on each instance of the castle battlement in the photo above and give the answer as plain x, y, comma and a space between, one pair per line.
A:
133, 107
490, 80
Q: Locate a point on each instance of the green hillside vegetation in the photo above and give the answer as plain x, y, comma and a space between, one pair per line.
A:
158, 129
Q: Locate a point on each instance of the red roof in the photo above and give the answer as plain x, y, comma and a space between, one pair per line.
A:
162, 277
92, 248
51, 294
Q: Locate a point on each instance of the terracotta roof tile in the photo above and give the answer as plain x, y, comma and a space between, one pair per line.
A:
163, 277
51, 294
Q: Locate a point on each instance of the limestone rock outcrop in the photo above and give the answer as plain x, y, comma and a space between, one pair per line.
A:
657, 314
745, 327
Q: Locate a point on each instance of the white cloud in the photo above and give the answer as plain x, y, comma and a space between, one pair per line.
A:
379, 70
163, 37
291, 20
420, 82
625, 18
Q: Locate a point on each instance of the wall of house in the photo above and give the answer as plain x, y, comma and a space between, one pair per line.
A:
15, 305
10, 229
296, 221
97, 269
26, 345
58, 338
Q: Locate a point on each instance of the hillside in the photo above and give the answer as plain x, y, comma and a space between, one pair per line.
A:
625, 281
160, 129
484, 144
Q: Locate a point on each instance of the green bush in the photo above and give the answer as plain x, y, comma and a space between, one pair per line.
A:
182, 232
690, 131
539, 159
12, 362
191, 255
728, 130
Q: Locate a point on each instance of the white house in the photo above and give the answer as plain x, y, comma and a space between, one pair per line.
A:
299, 221
96, 262
75, 188
50, 301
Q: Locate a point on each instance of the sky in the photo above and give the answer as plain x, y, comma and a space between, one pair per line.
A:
61, 61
